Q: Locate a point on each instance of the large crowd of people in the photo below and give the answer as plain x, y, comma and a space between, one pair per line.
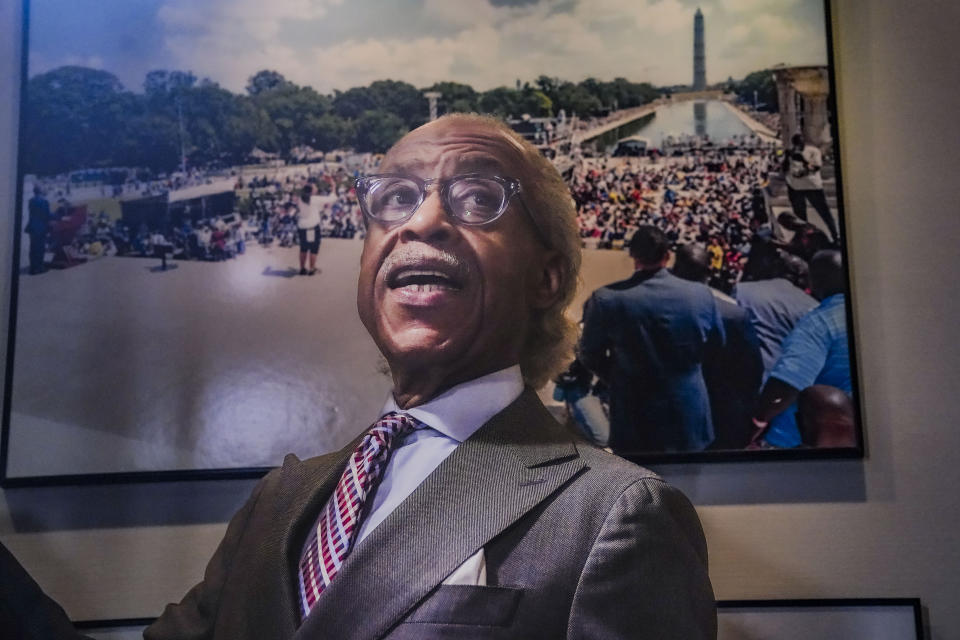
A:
273, 202
711, 197
761, 348
708, 204
266, 211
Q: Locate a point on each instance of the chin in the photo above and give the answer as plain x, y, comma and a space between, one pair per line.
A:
417, 347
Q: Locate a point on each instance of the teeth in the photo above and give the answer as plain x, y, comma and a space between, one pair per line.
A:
423, 280
420, 273
425, 288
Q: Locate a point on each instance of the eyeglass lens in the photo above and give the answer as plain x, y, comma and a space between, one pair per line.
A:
471, 199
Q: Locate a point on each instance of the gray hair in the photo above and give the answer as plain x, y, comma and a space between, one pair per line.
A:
548, 347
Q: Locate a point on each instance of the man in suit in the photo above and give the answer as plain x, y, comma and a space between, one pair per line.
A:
38, 226
647, 337
486, 519
732, 369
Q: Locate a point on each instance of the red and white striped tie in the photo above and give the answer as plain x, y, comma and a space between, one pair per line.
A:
339, 522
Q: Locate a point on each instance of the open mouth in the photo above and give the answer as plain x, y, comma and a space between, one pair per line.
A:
425, 280
419, 273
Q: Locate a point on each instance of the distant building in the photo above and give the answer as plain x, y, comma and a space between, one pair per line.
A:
803, 94
699, 55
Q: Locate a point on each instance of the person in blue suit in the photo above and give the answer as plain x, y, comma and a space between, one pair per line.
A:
647, 337
38, 226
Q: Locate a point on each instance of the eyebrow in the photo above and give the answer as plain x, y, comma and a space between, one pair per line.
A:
462, 165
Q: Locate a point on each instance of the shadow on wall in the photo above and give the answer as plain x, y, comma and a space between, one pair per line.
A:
794, 481
36, 509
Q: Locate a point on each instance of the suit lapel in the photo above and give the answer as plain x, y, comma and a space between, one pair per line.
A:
308, 486
490, 481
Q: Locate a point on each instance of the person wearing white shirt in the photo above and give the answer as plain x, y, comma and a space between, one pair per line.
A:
466, 511
308, 229
802, 164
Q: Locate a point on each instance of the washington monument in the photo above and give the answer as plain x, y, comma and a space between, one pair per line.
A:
699, 61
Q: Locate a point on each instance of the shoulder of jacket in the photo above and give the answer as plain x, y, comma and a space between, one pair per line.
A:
616, 472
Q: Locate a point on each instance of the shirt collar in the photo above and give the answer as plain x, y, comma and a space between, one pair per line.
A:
461, 410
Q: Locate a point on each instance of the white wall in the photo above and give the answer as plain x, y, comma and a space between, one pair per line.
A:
885, 526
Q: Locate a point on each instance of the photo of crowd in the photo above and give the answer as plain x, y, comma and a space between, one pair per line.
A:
710, 216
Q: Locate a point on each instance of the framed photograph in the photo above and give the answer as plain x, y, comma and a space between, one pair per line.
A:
840, 619
187, 232
126, 629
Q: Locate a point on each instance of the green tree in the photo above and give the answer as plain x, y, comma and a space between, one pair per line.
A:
149, 140
549, 86
376, 130
535, 103
599, 90
73, 118
455, 97
327, 132
265, 80
289, 108
501, 101
619, 93
401, 99
765, 86
574, 99
353, 102
161, 83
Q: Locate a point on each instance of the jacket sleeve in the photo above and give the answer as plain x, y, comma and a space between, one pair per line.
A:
195, 616
595, 339
646, 575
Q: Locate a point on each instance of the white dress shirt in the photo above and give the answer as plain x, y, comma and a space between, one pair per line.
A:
451, 418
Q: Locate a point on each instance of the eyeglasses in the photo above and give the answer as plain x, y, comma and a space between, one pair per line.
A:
472, 199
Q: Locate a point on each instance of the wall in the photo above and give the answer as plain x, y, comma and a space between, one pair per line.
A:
884, 526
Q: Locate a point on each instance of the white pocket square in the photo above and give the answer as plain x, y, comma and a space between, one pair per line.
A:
473, 572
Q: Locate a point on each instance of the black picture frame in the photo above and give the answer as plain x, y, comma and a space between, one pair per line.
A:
114, 629
904, 617
8, 479
800, 454
907, 613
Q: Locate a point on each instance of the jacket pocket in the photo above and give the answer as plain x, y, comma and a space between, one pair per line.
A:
469, 605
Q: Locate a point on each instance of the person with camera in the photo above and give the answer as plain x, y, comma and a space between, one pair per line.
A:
801, 166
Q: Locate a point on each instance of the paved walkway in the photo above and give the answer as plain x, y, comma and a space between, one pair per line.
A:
763, 131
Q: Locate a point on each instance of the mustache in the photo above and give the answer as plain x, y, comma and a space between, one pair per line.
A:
416, 257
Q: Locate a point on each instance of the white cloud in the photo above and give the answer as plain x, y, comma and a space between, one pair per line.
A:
257, 19
229, 40
39, 63
465, 13
753, 6
643, 40
667, 17
92, 61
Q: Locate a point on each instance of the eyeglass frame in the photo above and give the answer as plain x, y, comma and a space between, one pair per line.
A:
511, 187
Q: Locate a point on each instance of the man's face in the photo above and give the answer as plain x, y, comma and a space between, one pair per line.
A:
443, 297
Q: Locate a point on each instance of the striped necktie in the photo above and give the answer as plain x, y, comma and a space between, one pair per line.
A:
339, 522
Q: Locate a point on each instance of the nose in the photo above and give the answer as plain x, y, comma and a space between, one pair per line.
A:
429, 223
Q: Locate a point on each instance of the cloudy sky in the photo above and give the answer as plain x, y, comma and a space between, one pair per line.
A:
338, 44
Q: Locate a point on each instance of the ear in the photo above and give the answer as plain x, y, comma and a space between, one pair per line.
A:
547, 284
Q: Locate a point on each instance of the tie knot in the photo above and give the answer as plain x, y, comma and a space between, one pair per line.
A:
391, 426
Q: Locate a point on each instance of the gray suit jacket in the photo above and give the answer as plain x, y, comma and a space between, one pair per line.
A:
578, 544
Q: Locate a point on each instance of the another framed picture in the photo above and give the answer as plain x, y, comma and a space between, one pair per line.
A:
172, 317
126, 629
839, 619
